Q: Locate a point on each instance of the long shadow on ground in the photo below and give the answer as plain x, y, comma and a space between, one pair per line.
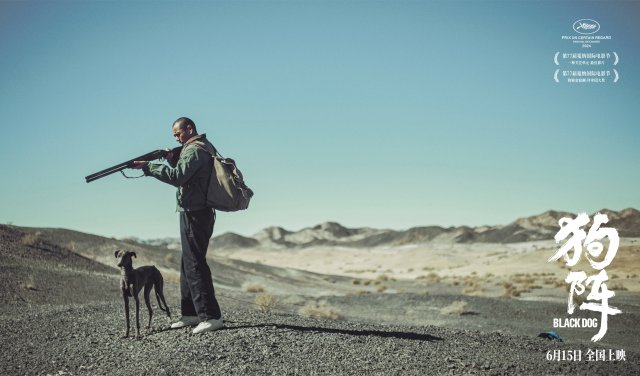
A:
376, 333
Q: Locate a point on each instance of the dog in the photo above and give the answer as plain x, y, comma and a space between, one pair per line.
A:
133, 280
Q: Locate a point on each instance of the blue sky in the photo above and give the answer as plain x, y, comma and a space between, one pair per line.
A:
369, 113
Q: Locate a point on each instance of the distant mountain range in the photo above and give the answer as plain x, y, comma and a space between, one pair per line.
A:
538, 227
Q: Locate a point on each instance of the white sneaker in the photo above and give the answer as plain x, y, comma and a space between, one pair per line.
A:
208, 326
185, 321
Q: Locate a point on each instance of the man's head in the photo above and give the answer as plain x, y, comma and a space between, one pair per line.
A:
183, 129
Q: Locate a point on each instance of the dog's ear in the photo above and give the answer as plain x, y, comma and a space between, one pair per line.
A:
133, 254
116, 253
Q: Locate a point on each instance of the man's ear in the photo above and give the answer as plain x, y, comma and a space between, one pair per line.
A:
133, 254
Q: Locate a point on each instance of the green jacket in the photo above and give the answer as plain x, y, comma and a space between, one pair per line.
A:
190, 174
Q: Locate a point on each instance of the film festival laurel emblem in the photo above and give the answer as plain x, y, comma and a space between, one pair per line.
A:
598, 297
587, 60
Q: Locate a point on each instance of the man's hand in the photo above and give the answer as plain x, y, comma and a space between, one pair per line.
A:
169, 156
138, 164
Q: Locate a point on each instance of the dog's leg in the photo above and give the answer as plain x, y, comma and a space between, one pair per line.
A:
137, 316
126, 311
159, 286
147, 290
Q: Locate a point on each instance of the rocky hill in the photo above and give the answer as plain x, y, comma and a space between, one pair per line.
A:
538, 227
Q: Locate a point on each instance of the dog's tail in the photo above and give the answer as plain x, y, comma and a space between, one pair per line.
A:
160, 295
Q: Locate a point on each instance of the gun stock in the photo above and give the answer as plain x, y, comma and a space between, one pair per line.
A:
152, 156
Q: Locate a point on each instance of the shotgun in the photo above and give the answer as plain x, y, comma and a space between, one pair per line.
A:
157, 154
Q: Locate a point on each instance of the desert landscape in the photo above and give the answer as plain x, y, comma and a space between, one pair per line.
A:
322, 300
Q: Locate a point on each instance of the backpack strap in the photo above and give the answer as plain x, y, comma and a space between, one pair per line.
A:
203, 146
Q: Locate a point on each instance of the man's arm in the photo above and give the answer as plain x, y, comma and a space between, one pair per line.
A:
190, 161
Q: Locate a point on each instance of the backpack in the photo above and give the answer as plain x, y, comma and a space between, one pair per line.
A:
227, 190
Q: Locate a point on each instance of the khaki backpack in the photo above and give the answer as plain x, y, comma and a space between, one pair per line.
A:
227, 190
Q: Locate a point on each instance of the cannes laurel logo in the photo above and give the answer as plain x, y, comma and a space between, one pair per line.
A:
586, 26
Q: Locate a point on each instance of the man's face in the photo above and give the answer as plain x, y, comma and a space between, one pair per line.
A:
183, 134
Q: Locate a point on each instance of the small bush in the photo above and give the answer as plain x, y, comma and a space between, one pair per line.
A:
266, 302
252, 287
617, 286
319, 310
432, 276
381, 288
169, 258
472, 289
31, 283
355, 281
30, 239
511, 290
171, 276
455, 308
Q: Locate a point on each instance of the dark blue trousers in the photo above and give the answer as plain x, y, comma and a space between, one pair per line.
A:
198, 297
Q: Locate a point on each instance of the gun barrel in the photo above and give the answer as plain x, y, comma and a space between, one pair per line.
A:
108, 171
105, 172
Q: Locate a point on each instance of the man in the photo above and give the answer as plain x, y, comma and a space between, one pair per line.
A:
190, 175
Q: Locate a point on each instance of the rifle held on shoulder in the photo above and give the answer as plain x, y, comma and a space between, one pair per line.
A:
157, 154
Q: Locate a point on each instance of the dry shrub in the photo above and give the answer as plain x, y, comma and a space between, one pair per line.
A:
171, 276
472, 289
367, 282
30, 284
510, 290
252, 287
383, 278
455, 308
433, 277
617, 286
266, 302
319, 310
30, 239
355, 281
381, 288
169, 258
523, 279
